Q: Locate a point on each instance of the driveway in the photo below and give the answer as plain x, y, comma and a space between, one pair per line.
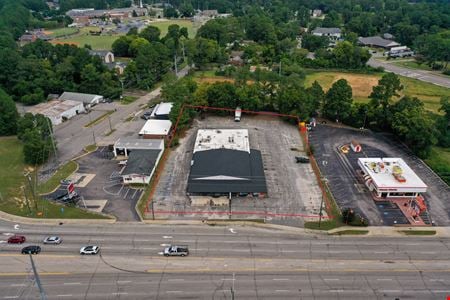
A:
422, 75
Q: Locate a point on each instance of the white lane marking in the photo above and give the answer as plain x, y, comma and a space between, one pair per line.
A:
175, 280
10, 297
390, 291
18, 284
427, 252
437, 280
123, 281
164, 245
65, 295
331, 279
441, 291
232, 230
167, 237
8, 233
71, 283
281, 279
2, 242
384, 279
281, 291
381, 252
161, 253
142, 240
17, 227
120, 293
174, 291
336, 291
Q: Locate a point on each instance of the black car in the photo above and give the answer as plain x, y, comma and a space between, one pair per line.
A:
146, 115
31, 250
302, 159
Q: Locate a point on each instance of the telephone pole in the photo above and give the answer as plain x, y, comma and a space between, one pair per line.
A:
43, 296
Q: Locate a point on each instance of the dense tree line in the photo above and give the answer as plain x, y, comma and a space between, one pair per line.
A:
40, 68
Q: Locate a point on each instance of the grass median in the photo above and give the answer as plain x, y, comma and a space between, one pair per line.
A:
54, 181
99, 119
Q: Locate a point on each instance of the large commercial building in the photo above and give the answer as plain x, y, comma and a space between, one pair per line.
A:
390, 178
58, 111
224, 164
88, 100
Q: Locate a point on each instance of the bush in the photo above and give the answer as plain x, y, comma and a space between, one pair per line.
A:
446, 72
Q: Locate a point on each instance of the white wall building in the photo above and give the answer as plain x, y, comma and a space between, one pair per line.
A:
58, 111
232, 139
390, 178
88, 100
162, 111
155, 129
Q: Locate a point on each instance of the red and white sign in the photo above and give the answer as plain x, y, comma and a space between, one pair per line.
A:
70, 188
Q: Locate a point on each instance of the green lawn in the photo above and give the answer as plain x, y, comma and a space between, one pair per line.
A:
128, 99
62, 173
414, 65
104, 42
439, 161
419, 232
60, 32
362, 85
12, 199
351, 232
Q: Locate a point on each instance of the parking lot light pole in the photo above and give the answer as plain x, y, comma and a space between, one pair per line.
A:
320, 211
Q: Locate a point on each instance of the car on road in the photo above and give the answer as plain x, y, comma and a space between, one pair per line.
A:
33, 249
92, 250
176, 251
52, 240
16, 239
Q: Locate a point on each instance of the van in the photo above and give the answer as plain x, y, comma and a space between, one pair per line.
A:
237, 114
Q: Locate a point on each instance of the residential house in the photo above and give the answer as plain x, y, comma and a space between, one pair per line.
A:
334, 34
316, 13
106, 56
236, 58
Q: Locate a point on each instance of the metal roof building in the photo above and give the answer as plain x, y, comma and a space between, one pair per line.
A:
58, 111
88, 100
156, 129
376, 41
162, 111
224, 164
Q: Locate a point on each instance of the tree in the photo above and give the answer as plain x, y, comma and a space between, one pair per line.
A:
314, 42
170, 12
150, 33
35, 150
137, 45
443, 123
348, 56
186, 9
294, 100
8, 115
121, 46
317, 94
132, 31
414, 126
202, 51
222, 94
338, 101
380, 98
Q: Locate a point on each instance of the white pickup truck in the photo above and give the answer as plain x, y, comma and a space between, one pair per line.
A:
176, 251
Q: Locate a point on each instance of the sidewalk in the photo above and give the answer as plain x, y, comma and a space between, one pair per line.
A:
395, 231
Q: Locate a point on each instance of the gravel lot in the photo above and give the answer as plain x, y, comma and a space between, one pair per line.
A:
293, 191
349, 192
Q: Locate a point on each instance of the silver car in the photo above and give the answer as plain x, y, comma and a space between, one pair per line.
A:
52, 240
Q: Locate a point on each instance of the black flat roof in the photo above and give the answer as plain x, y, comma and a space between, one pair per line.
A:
141, 161
227, 171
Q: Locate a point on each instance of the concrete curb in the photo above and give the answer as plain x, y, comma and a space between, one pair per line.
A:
395, 231
24, 220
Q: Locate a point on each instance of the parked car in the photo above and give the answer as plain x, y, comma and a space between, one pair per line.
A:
66, 181
52, 240
16, 239
92, 250
176, 251
31, 250
146, 115
302, 159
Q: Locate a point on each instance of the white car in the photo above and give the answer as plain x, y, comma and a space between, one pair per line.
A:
52, 240
89, 250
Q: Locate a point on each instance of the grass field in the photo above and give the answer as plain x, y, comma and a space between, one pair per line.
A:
362, 85
13, 186
60, 32
104, 42
414, 65
439, 161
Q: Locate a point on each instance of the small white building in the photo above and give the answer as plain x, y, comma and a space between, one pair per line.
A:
142, 158
155, 129
58, 111
89, 100
162, 111
390, 178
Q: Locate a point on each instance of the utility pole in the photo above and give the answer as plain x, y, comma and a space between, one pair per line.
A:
50, 129
320, 211
109, 120
33, 192
92, 126
153, 210
175, 63
26, 199
232, 289
38, 280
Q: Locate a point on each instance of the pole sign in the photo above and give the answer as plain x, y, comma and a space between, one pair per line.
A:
70, 188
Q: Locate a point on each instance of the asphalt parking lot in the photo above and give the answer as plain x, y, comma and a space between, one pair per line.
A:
349, 192
107, 185
293, 192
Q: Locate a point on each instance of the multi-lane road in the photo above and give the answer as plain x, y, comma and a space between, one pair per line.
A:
224, 262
